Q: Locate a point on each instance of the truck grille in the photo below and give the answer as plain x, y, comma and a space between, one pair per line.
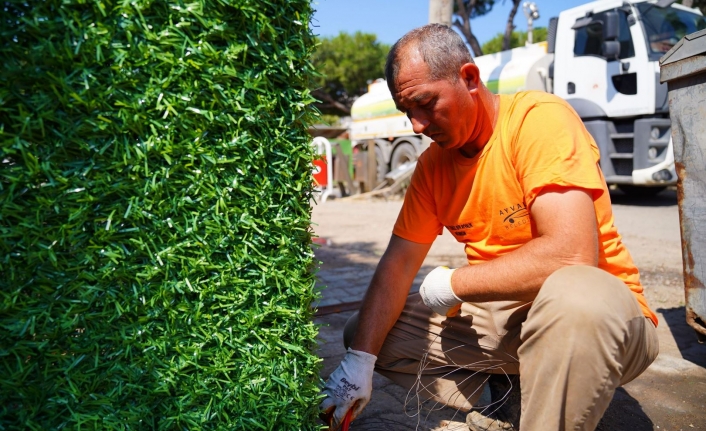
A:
623, 145
622, 166
623, 142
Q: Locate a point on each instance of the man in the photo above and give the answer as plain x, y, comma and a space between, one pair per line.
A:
550, 292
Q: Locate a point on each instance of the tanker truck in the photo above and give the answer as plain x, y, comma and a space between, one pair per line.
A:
602, 58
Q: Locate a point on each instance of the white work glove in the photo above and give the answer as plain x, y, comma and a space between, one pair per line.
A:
349, 386
437, 293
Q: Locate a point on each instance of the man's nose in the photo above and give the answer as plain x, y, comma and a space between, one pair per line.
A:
419, 123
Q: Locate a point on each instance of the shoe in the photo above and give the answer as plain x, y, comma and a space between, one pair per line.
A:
506, 396
506, 406
476, 421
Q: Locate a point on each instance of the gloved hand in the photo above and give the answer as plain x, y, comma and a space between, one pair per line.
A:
349, 386
437, 293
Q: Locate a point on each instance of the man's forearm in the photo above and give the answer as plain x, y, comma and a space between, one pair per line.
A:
515, 276
387, 293
567, 235
382, 305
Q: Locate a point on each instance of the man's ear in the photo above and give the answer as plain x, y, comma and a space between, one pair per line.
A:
471, 76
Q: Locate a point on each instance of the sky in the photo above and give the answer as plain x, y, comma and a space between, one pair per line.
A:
390, 19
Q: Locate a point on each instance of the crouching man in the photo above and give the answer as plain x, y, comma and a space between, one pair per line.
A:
550, 292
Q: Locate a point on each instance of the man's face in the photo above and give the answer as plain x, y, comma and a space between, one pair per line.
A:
439, 109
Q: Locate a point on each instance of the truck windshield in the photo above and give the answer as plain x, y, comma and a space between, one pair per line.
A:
664, 27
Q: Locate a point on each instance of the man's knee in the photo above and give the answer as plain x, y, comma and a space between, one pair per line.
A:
349, 330
585, 293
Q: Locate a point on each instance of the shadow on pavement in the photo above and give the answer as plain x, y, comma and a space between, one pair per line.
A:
624, 414
684, 335
347, 255
666, 198
381, 424
350, 267
353, 263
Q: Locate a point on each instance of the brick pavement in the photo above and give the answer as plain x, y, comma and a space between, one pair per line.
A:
670, 395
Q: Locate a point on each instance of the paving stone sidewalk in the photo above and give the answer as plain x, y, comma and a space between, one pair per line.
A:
670, 395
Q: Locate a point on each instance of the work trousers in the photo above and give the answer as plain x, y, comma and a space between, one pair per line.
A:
582, 337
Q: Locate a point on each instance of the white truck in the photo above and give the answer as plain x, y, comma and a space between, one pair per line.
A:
603, 58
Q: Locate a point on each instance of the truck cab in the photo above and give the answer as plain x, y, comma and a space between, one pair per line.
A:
606, 65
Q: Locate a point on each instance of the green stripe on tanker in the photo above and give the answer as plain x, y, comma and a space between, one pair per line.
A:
373, 110
507, 85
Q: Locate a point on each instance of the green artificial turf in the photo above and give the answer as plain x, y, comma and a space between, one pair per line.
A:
155, 178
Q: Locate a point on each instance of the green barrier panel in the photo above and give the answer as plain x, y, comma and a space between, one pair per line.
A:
347, 149
155, 180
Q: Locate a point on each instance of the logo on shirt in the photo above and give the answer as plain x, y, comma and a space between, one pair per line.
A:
514, 216
458, 229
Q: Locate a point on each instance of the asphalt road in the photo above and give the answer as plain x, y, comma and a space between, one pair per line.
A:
670, 395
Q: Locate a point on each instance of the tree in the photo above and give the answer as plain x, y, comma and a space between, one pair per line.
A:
510, 26
517, 39
346, 63
700, 4
464, 11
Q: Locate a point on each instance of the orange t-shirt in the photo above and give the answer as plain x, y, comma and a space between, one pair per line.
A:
485, 201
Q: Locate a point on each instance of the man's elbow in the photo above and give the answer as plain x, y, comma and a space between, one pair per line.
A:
579, 257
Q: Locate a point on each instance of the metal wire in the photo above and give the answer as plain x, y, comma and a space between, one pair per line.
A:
421, 406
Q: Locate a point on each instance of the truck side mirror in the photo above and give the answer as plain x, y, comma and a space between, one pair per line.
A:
611, 30
611, 25
611, 50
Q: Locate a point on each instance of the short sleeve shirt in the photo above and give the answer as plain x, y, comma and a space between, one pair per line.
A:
485, 201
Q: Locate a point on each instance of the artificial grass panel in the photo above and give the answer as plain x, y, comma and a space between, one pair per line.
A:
155, 179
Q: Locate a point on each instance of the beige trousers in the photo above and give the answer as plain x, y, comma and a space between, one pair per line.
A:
582, 337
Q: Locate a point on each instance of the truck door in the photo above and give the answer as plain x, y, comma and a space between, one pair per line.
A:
621, 86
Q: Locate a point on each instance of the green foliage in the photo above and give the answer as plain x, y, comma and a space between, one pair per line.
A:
346, 63
474, 9
463, 13
330, 120
156, 270
517, 39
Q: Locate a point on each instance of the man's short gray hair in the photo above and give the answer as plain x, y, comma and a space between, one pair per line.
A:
441, 48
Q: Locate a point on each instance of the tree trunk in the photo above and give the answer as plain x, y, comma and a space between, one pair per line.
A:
465, 26
441, 11
509, 27
688, 3
324, 96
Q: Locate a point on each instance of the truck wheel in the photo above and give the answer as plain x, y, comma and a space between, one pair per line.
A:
380, 165
403, 153
638, 191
